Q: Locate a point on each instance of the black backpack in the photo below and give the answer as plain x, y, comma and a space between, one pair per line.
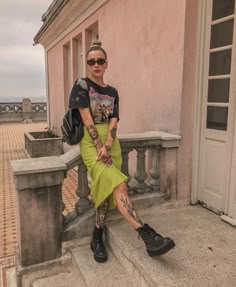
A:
72, 125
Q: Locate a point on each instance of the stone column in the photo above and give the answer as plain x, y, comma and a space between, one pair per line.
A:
39, 208
27, 110
83, 190
140, 174
168, 172
154, 171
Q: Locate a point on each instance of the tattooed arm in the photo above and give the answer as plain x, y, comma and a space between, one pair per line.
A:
111, 133
110, 138
103, 155
89, 124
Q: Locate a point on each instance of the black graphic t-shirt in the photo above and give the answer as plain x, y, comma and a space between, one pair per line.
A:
103, 101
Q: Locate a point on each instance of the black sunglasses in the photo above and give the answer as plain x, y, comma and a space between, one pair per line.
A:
92, 62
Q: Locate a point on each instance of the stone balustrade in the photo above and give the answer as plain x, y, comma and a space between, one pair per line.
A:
39, 181
153, 142
25, 110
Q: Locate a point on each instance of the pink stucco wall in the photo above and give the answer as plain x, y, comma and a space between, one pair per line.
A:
55, 87
145, 45
146, 61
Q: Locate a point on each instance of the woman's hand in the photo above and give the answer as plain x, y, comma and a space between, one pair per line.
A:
108, 161
102, 153
104, 156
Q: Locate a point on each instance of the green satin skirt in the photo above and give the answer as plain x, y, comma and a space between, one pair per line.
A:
104, 179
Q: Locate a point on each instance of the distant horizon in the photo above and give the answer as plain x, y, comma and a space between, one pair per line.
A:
22, 65
20, 98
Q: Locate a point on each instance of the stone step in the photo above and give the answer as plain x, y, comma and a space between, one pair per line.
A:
130, 251
108, 274
70, 278
171, 269
203, 256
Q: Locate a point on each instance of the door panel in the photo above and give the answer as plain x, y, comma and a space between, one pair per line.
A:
232, 196
213, 174
214, 166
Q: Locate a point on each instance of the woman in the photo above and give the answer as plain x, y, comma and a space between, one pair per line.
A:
98, 105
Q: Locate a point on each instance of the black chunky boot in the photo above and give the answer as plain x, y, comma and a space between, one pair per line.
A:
97, 246
156, 244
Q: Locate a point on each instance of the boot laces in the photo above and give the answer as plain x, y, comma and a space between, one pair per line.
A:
98, 234
148, 230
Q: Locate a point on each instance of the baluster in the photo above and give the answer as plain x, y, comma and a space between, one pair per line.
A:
83, 190
154, 171
63, 207
140, 174
125, 166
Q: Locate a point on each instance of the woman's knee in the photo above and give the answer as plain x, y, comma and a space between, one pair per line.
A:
121, 188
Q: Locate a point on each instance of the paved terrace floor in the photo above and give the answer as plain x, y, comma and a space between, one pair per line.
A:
12, 148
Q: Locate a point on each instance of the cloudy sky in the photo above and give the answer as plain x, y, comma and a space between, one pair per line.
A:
21, 65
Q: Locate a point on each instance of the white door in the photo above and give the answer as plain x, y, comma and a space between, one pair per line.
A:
218, 108
232, 192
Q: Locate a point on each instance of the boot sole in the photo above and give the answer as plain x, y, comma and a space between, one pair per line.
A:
161, 251
97, 258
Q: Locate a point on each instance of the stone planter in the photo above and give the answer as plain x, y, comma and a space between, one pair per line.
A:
41, 144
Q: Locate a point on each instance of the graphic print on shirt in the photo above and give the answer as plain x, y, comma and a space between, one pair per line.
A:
102, 106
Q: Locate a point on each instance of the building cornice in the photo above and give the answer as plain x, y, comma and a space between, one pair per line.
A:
48, 17
62, 17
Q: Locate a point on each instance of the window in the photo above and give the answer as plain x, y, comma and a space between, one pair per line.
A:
78, 69
220, 57
91, 35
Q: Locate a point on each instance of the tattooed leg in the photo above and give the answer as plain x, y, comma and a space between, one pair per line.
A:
125, 206
131, 211
101, 214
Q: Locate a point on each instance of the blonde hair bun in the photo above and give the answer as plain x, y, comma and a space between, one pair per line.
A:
96, 44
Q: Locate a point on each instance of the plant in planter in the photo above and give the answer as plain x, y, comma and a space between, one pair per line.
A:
51, 134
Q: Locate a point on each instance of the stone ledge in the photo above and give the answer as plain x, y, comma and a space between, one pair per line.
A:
150, 135
37, 165
71, 158
150, 138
